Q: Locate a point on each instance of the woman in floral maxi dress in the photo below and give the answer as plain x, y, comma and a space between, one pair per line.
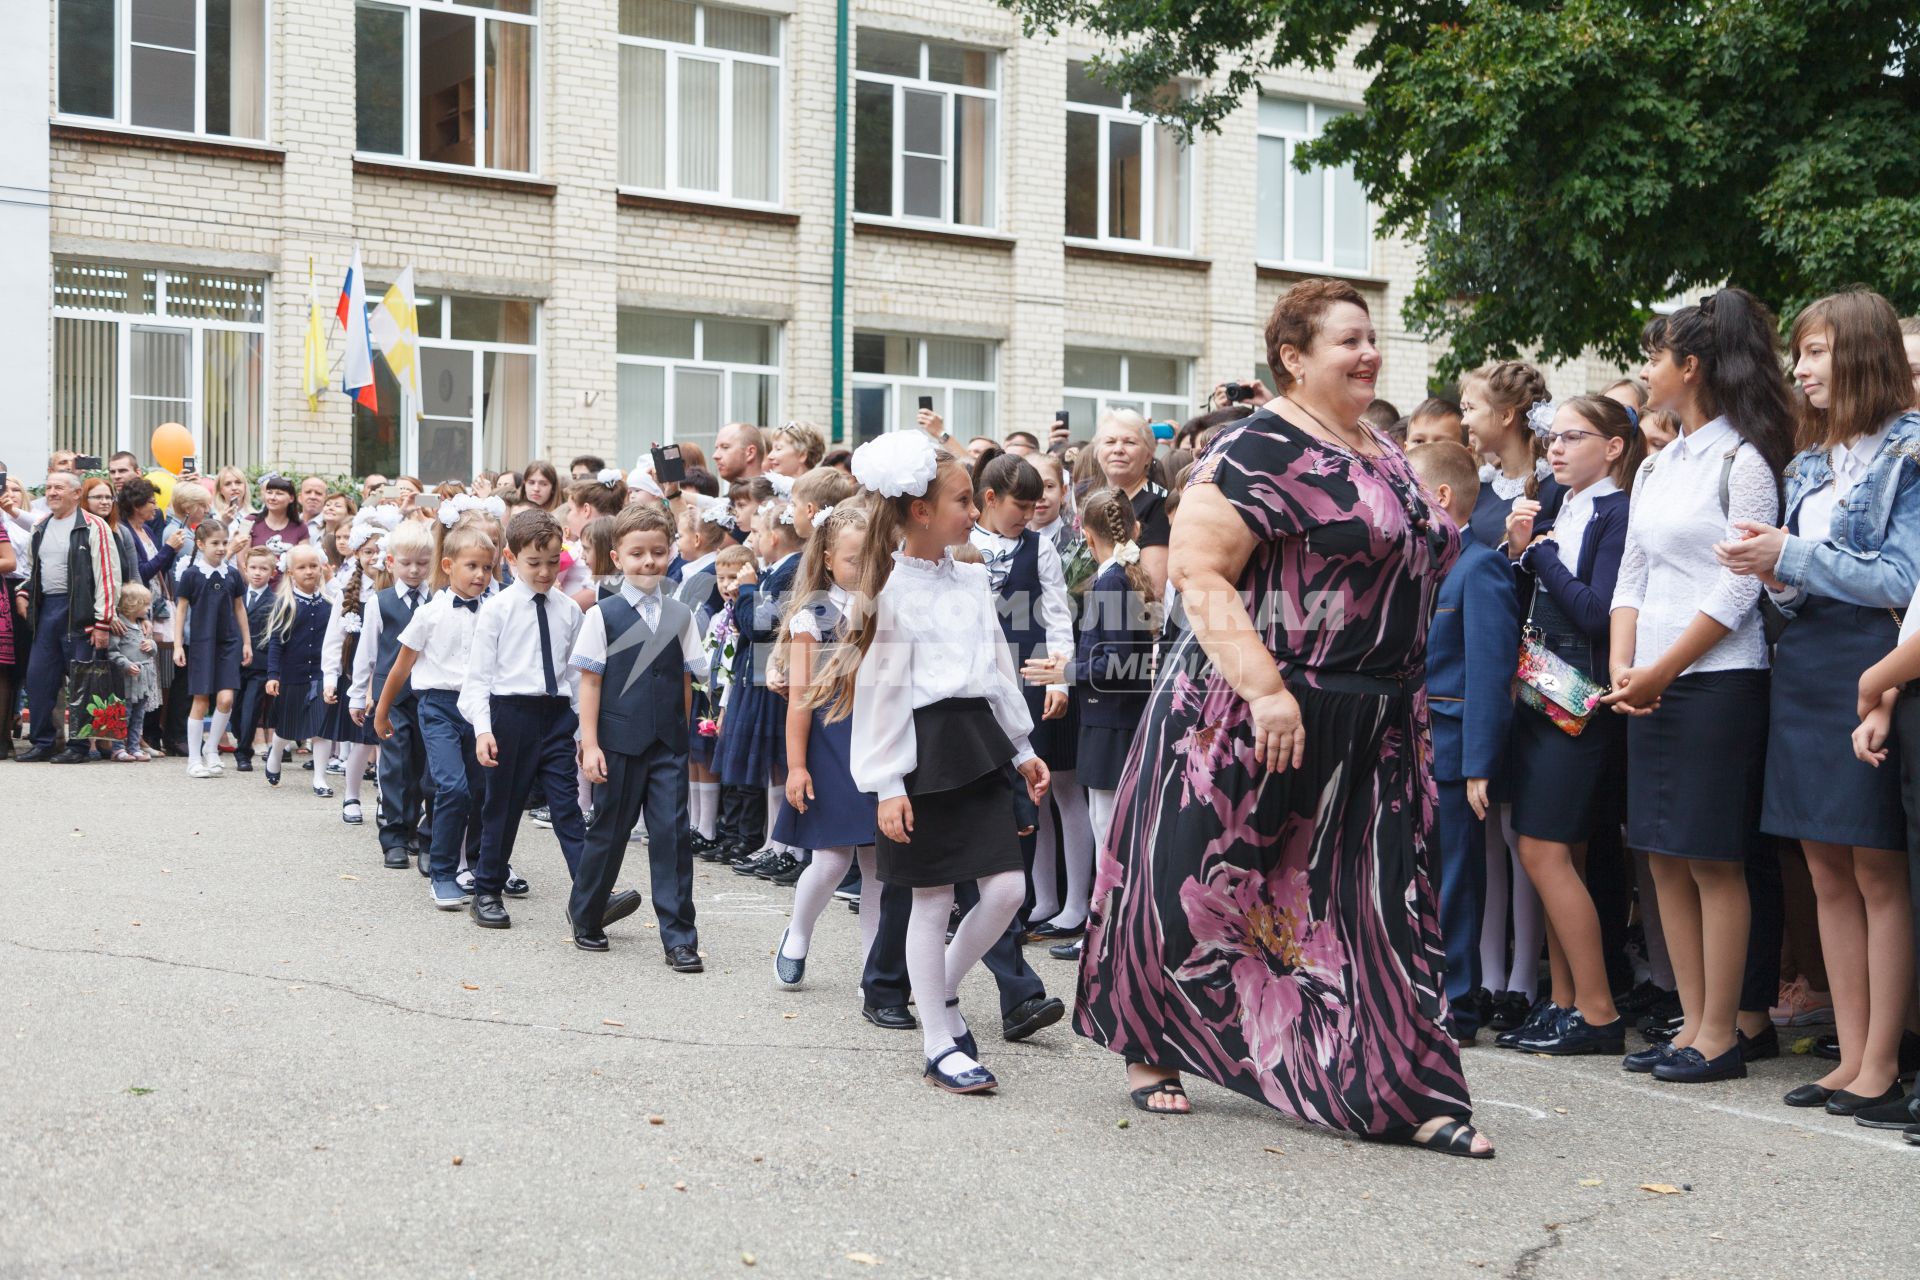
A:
1263, 913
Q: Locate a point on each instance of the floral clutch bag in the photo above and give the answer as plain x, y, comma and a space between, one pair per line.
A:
1555, 687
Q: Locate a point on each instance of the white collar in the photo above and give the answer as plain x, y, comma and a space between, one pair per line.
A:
1106, 564
999, 538
1863, 451
931, 568
699, 564
303, 598
1594, 492
1705, 436
635, 596
775, 566
1048, 530
837, 596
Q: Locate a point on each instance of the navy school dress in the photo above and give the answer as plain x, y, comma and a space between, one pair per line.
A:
753, 741
213, 641
293, 658
699, 590
1017, 598
1490, 511
336, 722
1113, 652
840, 814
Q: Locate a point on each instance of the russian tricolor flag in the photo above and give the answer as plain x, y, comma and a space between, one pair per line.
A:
357, 372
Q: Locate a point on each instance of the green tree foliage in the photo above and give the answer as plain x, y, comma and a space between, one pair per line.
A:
1566, 165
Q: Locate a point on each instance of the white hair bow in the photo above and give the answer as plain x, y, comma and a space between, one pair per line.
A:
1540, 417
363, 532
1127, 553
715, 511
610, 476
820, 516
900, 463
782, 484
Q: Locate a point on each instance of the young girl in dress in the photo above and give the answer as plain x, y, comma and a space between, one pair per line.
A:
133, 657
1025, 572
296, 633
337, 651
752, 749
211, 596
930, 665
822, 809
1567, 787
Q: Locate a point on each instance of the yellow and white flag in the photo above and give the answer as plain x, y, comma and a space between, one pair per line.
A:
313, 375
395, 327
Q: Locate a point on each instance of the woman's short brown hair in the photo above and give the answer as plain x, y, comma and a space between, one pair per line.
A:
1870, 384
1297, 318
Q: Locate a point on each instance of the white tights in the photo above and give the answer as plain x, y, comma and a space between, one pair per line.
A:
357, 754
936, 966
322, 752
1049, 904
1505, 876
815, 890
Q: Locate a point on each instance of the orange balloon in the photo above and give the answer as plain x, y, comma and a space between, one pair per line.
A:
172, 445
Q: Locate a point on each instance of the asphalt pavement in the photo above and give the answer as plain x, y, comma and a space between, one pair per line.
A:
236, 1044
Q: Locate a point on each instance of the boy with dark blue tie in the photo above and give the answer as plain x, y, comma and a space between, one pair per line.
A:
1472, 649
638, 654
248, 706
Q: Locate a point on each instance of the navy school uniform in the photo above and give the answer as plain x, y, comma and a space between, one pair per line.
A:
642, 730
293, 659
1017, 598
1113, 652
840, 814
1472, 647
251, 705
336, 724
406, 788
1565, 787
440, 633
213, 644
1490, 510
699, 590
753, 742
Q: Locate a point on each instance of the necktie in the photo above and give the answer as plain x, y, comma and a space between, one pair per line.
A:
650, 611
546, 644
253, 598
413, 601
461, 602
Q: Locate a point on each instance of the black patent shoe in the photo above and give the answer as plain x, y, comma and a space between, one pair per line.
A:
1544, 1015
1690, 1066
1809, 1095
1032, 1015
975, 1079
1068, 950
965, 1042
395, 857
1642, 999
1573, 1035
1647, 1059
591, 941
684, 959
1508, 1011
1845, 1103
890, 1017
489, 912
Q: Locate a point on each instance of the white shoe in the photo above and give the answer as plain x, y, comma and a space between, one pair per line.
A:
211, 763
198, 770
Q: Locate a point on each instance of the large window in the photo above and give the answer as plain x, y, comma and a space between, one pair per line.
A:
925, 121
446, 83
1129, 180
1153, 386
684, 377
1314, 219
184, 66
478, 361
891, 372
136, 346
699, 101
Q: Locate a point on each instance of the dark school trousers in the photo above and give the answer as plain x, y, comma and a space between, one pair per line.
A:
1462, 872
655, 781
459, 783
534, 738
248, 703
885, 981
743, 815
405, 784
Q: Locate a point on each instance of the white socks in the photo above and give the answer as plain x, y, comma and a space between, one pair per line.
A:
704, 807
216, 731
1506, 879
193, 742
275, 748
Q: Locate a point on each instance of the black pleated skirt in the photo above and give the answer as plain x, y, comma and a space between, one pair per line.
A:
964, 825
1695, 768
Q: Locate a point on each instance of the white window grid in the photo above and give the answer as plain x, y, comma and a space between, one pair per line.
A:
410, 95
123, 46
899, 411
159, 320
698, 363
676, 53
1149, 178
1317, 113
924, 83
410, 425
1155, 406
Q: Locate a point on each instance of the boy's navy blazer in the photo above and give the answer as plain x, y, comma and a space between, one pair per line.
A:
1585, 593
257, 624
1472, 649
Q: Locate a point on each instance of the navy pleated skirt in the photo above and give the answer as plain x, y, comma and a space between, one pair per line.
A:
840, 814
753, 742
299, 711
213, 665
1695, 768
1815, 788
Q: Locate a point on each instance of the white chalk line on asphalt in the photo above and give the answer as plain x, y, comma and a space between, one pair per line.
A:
1851, 1133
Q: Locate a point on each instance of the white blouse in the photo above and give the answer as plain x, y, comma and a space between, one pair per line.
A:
1576, 514
936, 636
1668, 571
1849, 464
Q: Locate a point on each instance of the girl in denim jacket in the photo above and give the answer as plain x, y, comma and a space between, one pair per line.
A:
1841, 569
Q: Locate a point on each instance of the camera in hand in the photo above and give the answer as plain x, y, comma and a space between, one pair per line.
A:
1237, 393
668, 466
926, 402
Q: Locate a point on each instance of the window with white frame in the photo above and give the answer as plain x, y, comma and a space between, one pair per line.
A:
699, 101
447, 82
893, 372
683, 377
183, 66
925, 130
479, 361
1129, 178
135, 346
1314, 219
1153, 386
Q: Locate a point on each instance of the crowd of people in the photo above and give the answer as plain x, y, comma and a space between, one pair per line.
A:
1305, 729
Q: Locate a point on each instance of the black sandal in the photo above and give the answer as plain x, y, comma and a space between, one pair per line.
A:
1454, 1138
1171, 1088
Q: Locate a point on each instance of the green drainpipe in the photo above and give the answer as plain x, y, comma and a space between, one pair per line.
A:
842, 50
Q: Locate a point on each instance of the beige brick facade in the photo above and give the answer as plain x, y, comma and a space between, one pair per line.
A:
566, 240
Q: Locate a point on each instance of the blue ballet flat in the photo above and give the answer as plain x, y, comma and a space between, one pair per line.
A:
1647, 1059
975, 1079
787, 972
